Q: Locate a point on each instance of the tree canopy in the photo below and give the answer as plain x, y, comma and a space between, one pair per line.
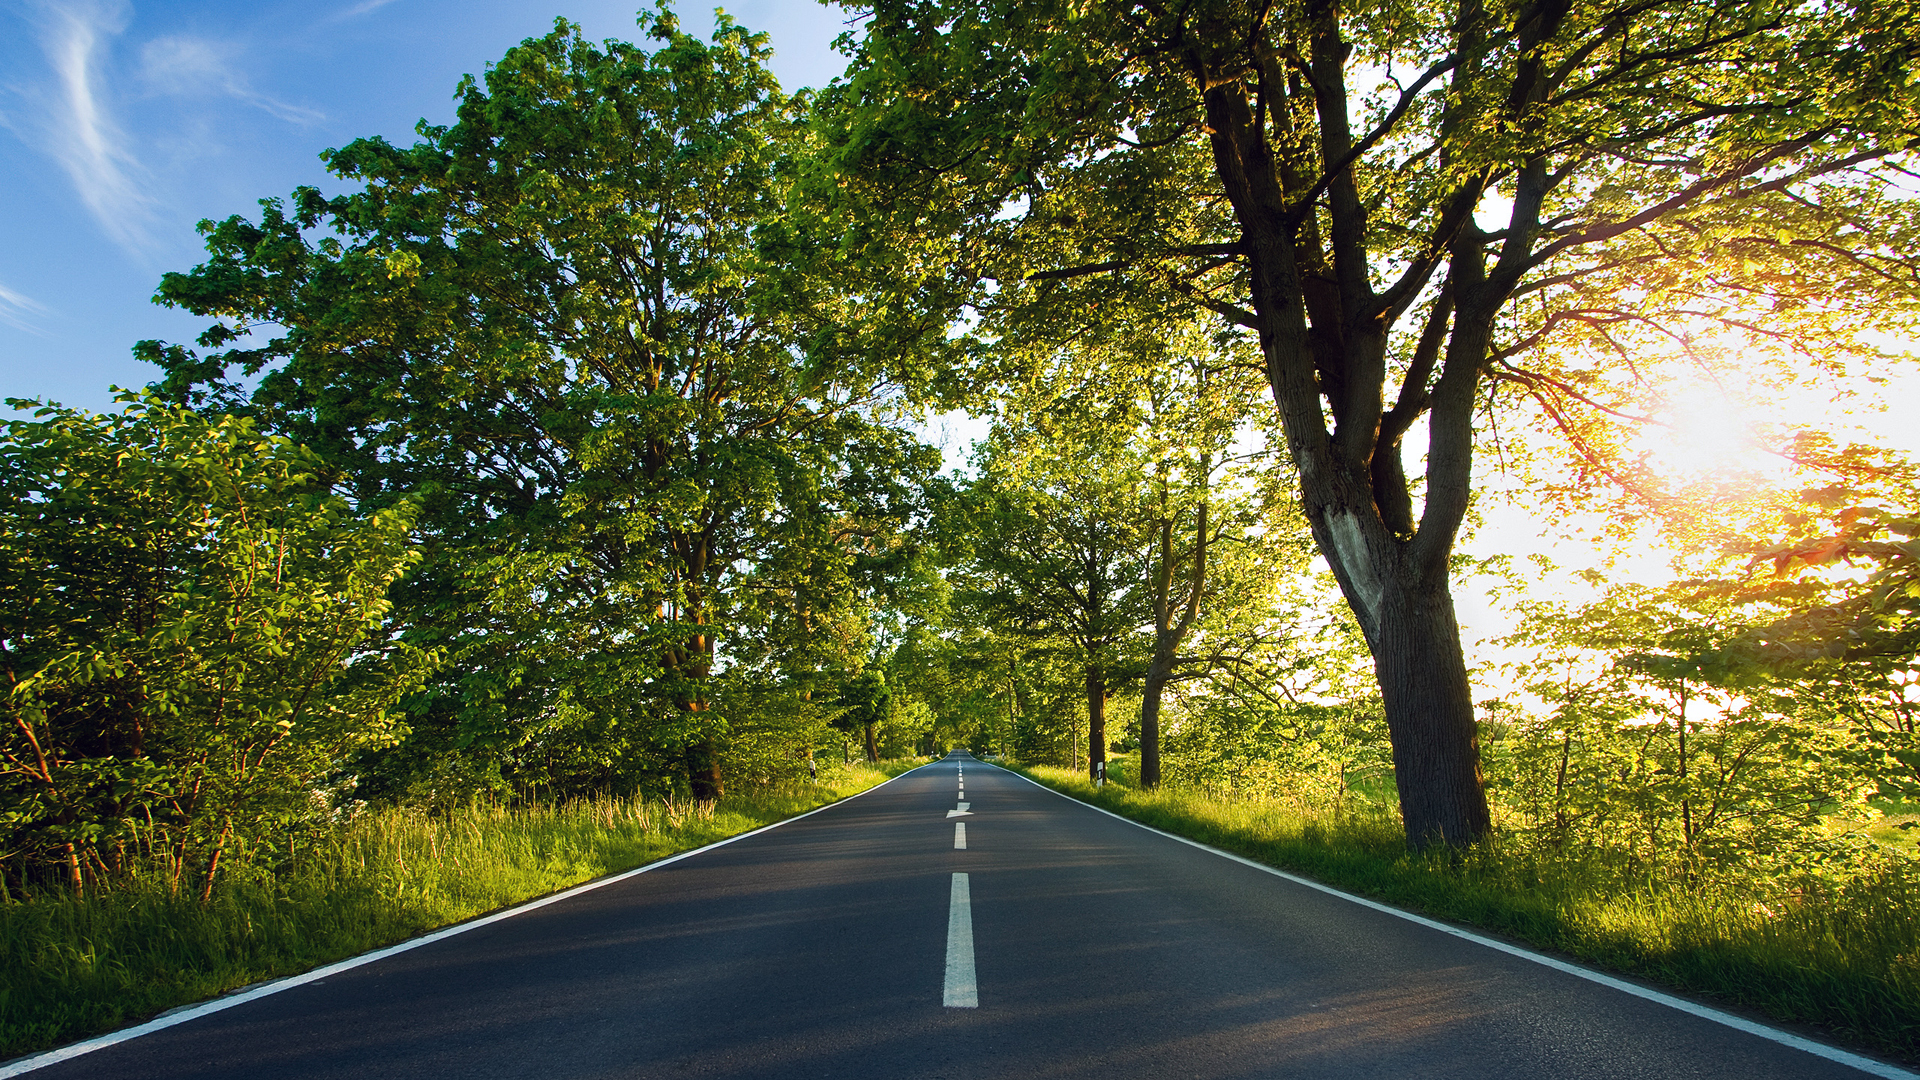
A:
575, 448
1418, 210
583, 322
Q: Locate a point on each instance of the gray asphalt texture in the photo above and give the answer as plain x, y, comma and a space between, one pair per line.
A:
817, 949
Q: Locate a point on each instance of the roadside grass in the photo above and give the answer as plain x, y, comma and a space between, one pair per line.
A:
1842, 955
1899, 823
71, 968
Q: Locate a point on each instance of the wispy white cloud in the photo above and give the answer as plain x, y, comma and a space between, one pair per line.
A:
18, 310
78, 125
192, 66
364, 7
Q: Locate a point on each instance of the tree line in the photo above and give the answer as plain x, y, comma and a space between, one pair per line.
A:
572, 449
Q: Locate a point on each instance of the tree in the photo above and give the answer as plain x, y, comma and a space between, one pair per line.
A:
586, 323
1138, 437
1650, 165
1211, 584
866, 703
191, 633
1838, 623
1660, 737
1059, 559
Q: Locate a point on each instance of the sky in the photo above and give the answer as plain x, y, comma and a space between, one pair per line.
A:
123, 124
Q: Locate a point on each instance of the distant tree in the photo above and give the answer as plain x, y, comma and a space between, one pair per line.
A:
866, 704
1656, 732
1059, 558
1832, 604
1222, 536
1158, 417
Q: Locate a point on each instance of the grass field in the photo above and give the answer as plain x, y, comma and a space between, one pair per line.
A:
70, 968
1899, 824
1843, 954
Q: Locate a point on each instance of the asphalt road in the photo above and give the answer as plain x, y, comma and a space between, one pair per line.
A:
822, 949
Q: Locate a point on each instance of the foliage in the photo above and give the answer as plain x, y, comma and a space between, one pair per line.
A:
587, 321
1527, 198
1120, 518
1648, 730
623, 358
989, 691
192, 635
1299, 721
866, 704
1059, 560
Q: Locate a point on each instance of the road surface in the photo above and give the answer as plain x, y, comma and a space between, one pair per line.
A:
916, 931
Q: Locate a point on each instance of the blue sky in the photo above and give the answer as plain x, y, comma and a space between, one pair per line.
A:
123, 124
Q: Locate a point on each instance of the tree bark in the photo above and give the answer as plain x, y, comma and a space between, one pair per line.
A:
873, 748
693, 662
1096, 720
1686, 804
1159, 673
74, 878
1170, 628
1429, 705
213, 861
1324, 339
703, 766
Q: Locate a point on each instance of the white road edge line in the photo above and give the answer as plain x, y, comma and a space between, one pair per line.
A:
961, 990
194, 1012
959, 836
1820, 1050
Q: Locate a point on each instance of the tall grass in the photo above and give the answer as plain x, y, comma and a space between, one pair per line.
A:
73, 967
1840, 950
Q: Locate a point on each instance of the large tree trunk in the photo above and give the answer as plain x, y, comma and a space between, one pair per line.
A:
703, 764
704, 776
1325, 341
873, 748
1398, 591
692, 662
1096, 720
1170, 628
1159, 673
1429, 704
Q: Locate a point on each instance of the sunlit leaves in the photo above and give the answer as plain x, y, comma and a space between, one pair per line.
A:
591, 325
192, 636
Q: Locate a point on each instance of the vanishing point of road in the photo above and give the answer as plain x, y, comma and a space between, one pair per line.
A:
956, 922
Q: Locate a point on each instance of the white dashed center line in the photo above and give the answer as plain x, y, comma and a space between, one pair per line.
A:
961, 990
959, 836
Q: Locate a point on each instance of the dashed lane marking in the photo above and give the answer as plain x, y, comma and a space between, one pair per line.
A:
962, 990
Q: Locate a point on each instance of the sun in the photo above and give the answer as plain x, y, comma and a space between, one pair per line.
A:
1703, 430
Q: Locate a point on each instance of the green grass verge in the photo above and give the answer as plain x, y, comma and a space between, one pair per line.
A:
70, 968
1844, 956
